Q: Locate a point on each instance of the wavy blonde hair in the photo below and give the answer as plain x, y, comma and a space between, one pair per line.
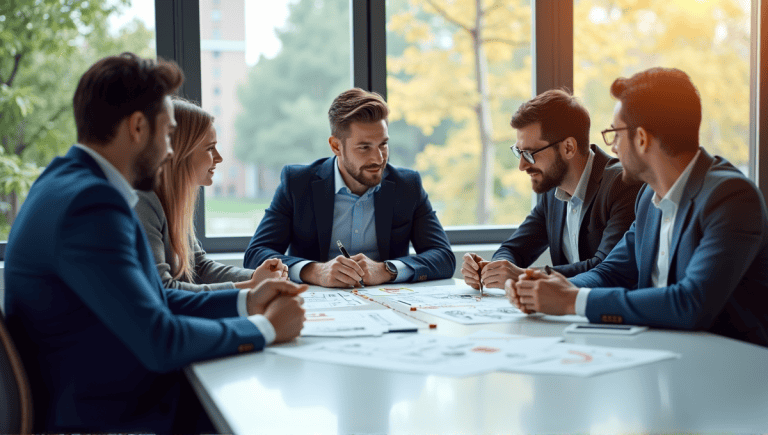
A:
176, 188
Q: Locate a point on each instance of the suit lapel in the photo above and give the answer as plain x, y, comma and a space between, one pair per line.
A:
598, 168
649, 245
558, 220
384, 208
324, 200
691, 189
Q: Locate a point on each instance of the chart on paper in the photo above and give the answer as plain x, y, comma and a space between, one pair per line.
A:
320, 300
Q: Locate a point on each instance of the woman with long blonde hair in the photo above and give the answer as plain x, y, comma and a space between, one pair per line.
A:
167, 212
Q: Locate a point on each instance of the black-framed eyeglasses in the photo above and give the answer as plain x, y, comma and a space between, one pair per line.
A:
527, 155
609, 134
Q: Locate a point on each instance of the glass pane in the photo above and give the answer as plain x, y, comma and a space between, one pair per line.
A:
453, 84
45, 46
709, 40
269, 84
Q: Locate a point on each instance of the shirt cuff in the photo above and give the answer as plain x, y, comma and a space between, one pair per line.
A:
294, 272
581, 301
404, 271
242, 303
265, 327
262, 323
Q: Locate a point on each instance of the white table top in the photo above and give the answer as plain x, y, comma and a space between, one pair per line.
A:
718, 384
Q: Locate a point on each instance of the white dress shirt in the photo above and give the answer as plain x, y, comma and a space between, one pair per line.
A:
668, 206
131, 198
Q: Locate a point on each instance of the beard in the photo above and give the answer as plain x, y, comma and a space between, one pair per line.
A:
552, 178
359, 174
147, 167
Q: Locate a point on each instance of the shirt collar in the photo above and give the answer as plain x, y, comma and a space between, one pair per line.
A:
581, 188
675, 193
340, 185
113, 176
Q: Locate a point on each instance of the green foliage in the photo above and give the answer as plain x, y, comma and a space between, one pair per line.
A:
45, 46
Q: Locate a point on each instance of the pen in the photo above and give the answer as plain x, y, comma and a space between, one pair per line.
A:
346, 254
480, 279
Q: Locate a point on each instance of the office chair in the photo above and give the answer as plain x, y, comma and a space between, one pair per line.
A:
15, 395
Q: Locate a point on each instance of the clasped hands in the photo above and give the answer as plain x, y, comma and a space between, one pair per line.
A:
279, 301
345, 272
530, 290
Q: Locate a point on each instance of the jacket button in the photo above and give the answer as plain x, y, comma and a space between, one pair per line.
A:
247, 347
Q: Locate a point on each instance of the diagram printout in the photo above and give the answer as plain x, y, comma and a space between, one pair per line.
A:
481, 352
320, 300
354, 323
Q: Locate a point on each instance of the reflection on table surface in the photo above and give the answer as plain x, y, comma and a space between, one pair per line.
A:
718, 384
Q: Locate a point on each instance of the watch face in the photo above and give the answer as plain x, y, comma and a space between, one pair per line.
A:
390, 267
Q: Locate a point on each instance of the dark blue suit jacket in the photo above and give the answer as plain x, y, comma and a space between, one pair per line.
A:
101, 340
300, 220
718, 276
609, 210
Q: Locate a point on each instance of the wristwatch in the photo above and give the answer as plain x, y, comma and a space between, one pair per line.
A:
390, 266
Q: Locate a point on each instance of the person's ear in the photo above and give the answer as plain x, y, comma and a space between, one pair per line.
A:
569, 148
335, 145
138, 127
642, 140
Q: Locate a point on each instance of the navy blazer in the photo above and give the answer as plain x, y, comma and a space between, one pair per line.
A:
102, 342
718, 273
608, 212
300, 220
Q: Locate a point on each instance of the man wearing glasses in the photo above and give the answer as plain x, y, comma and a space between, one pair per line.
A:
584, 207
696, 258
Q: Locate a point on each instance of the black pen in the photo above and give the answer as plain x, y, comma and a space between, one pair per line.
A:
346, 254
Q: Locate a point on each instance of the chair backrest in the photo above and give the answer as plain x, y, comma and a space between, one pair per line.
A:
15, 395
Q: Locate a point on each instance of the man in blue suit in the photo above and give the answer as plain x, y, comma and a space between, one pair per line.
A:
102, 342
358, 199
696, 257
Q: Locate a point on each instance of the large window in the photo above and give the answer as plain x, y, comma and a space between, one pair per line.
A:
268, 71
457, 70
269, 78
709, 40
45, 46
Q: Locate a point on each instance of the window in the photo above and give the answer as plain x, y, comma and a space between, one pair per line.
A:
35, 130
453, 83
272, 107
709, 40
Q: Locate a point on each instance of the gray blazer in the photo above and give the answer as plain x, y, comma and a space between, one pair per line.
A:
210, 275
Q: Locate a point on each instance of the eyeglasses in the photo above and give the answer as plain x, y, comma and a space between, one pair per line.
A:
609, 135
527, 155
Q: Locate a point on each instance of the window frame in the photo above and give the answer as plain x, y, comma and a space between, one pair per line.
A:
552, 48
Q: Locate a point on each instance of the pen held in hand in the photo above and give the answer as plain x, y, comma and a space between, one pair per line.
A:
346, 254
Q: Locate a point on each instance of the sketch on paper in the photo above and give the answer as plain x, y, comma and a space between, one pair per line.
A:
330, 299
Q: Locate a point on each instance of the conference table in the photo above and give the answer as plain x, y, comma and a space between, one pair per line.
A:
716, 385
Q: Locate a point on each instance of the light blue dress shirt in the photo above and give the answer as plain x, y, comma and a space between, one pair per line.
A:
574, 212
354, 224
131, 197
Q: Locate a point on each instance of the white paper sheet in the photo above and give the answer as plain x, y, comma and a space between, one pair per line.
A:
320, 300
583, 360
419, 353
469, 315
481, 352
355, 323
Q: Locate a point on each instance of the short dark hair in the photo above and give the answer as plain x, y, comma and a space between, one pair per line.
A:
560, 115
665, 102
355, 105
116, 87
